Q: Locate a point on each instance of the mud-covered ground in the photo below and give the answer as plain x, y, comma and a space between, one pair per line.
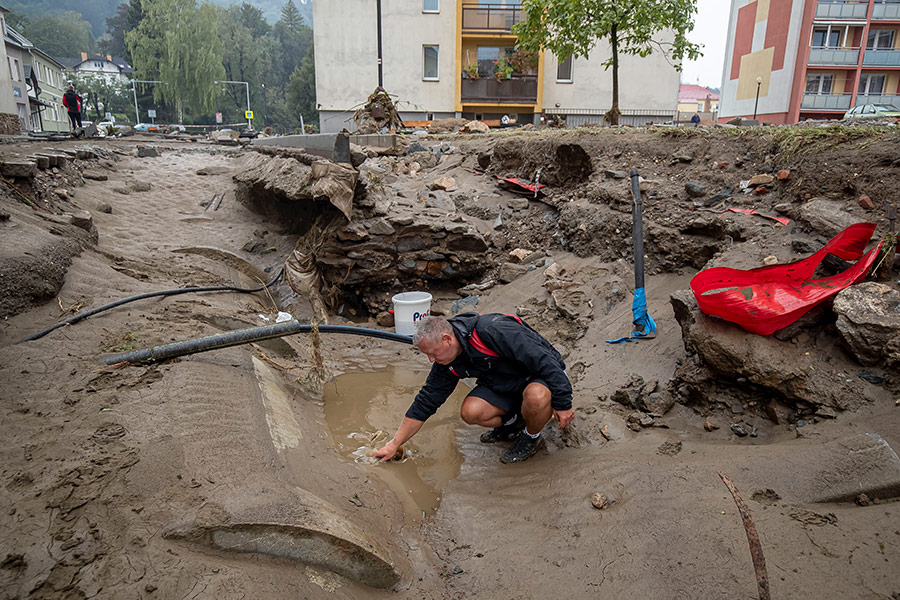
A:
208, 476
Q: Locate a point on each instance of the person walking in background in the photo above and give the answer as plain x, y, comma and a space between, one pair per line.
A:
73, 103
695, 120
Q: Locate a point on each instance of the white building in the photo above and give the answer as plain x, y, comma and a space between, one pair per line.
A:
9, 122
445, 58
111, 68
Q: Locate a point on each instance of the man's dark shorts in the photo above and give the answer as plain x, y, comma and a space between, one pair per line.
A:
507, 403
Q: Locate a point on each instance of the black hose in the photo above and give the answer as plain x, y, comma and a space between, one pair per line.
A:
244, 336
94, 311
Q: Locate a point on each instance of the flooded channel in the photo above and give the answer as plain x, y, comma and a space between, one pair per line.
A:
363, 410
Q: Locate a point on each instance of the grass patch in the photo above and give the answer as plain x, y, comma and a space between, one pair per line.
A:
128, 342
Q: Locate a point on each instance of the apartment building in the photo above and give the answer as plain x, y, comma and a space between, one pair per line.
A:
790, 60
9, 120
457, 58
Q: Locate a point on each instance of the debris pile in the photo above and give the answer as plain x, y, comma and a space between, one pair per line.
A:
379, 113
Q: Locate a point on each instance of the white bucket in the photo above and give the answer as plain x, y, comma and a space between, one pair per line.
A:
409, 309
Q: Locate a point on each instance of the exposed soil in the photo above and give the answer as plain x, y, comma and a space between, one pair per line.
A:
208, 476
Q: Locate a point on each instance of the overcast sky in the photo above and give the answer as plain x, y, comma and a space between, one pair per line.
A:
710, 29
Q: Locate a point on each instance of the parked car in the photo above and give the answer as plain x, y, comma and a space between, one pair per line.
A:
146, 127
872, 111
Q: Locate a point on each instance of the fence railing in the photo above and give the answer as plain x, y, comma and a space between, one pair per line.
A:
886, 9
826, 101
833, 56
837, 9
884, 58
490, 89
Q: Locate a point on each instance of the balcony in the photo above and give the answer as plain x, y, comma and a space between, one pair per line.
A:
881, 58
886, 99
839, 9
887, 10
847, 57
520, 89
490, 18
825, 102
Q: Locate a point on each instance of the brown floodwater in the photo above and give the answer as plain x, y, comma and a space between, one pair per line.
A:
363, 410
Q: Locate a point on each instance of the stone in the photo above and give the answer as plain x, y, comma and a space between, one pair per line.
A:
353, 232
464, 304
866, 202
444, 183
484, 159
61, 193
615, 174
762, 179
385, 319
380, 227
723, 194
784, 175
519, 203
122, 190
42, 162
148, 151
509, 272
868, 320
415, 147
475, 127
599, 501
684, 158
827, 217
213, 170
518, 255
82, 219
761, 190
18, 168
695, 189
94, 176
141, 186
104, 207
729, 352
770, 260
440, 200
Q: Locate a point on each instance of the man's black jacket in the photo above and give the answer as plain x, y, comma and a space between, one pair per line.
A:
522, 355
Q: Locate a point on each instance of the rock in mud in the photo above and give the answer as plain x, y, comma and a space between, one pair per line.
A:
147, 152
141, 186
510, 272
94, 176
783, 369
18, 168
869, 323
695, 189
828, 217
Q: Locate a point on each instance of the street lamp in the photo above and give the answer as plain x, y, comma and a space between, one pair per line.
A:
755, 106
247, 86
137, 116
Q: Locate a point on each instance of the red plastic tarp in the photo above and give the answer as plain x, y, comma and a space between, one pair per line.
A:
750, 211
766, 299
522, 183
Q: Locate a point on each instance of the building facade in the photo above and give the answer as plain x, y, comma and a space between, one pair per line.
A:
9, 120
36, 82
111, 68
51, 86
457, 58
790, 60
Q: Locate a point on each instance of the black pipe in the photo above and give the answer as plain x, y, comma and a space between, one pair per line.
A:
175, 292
638, 231
245, 336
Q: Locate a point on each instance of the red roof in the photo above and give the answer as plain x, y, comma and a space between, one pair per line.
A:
688, 93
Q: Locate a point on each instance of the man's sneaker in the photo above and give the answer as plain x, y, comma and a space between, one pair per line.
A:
522, 449
504, 433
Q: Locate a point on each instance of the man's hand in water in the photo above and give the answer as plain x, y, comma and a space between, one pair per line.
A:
564, 417
386, 452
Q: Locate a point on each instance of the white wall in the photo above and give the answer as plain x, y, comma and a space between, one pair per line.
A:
644, 83
7, 104
346, 56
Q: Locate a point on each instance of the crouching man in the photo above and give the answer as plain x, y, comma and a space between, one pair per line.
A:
520, 381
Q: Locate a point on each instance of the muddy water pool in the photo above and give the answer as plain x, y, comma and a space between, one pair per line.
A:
364, 409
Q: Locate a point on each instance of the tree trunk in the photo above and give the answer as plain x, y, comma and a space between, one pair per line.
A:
612, 117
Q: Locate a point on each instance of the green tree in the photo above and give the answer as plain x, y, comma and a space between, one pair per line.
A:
252, 18
301, 94
634, 27
179, 43
102, 94
290, 16
127, 17
241, 58
68, 35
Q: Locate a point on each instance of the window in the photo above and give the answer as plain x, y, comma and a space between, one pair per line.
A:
16, 69
880, 39
431, 6
564, 70
819, 84
430, 63
871, 84
826, 37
